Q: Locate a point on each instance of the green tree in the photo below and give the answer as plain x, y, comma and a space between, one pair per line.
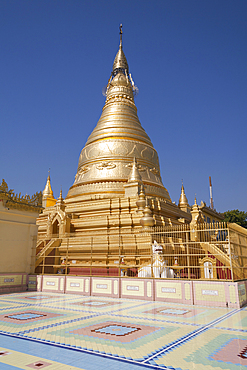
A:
239, 217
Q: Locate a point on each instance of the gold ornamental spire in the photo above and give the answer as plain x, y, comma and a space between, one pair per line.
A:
195, 206
60, 201
120, 62
142, 199
118, 137
134, 173
197, 217
147, 220
47, 195
183, 201
121, 33
48, 190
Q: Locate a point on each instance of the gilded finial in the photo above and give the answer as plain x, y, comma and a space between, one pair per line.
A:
147, 220
120, 63
182, 188
195, 207
48, 198
141, 201
60, 202
121, 33
183, 201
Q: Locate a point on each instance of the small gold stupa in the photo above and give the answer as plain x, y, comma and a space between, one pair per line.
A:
48, 199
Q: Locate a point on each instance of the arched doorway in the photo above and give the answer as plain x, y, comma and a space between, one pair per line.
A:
55, 228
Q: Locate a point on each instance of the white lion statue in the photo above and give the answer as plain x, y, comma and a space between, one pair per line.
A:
158, 268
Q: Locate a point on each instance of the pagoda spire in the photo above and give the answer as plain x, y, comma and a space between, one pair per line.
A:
60, 201
121, 34
183, 201
48, 199
134, 173
120, 63
195, 206
133, 186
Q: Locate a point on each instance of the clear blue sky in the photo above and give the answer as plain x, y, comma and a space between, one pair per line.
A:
188, 58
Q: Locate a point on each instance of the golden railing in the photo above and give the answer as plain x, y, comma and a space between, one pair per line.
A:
208, 251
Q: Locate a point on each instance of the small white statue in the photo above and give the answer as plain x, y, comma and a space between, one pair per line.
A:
158, 268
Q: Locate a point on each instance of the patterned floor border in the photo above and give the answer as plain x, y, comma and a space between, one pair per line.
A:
147, 361
141, 364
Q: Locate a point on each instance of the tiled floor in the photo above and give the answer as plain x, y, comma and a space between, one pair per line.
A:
57, 331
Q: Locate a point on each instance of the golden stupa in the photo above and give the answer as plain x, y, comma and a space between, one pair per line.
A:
117, 189
106, 162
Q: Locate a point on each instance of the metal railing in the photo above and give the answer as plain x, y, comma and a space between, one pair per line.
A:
208, 251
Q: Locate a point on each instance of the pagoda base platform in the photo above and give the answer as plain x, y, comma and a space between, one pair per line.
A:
179, 291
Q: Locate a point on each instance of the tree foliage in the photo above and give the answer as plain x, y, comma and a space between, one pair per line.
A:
239, 217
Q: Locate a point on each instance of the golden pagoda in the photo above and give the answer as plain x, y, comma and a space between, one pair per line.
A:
117, 145
117, 189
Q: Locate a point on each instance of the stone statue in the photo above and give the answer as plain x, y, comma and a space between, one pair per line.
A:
158, 267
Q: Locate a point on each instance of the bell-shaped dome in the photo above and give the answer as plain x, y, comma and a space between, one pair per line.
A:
107, 157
